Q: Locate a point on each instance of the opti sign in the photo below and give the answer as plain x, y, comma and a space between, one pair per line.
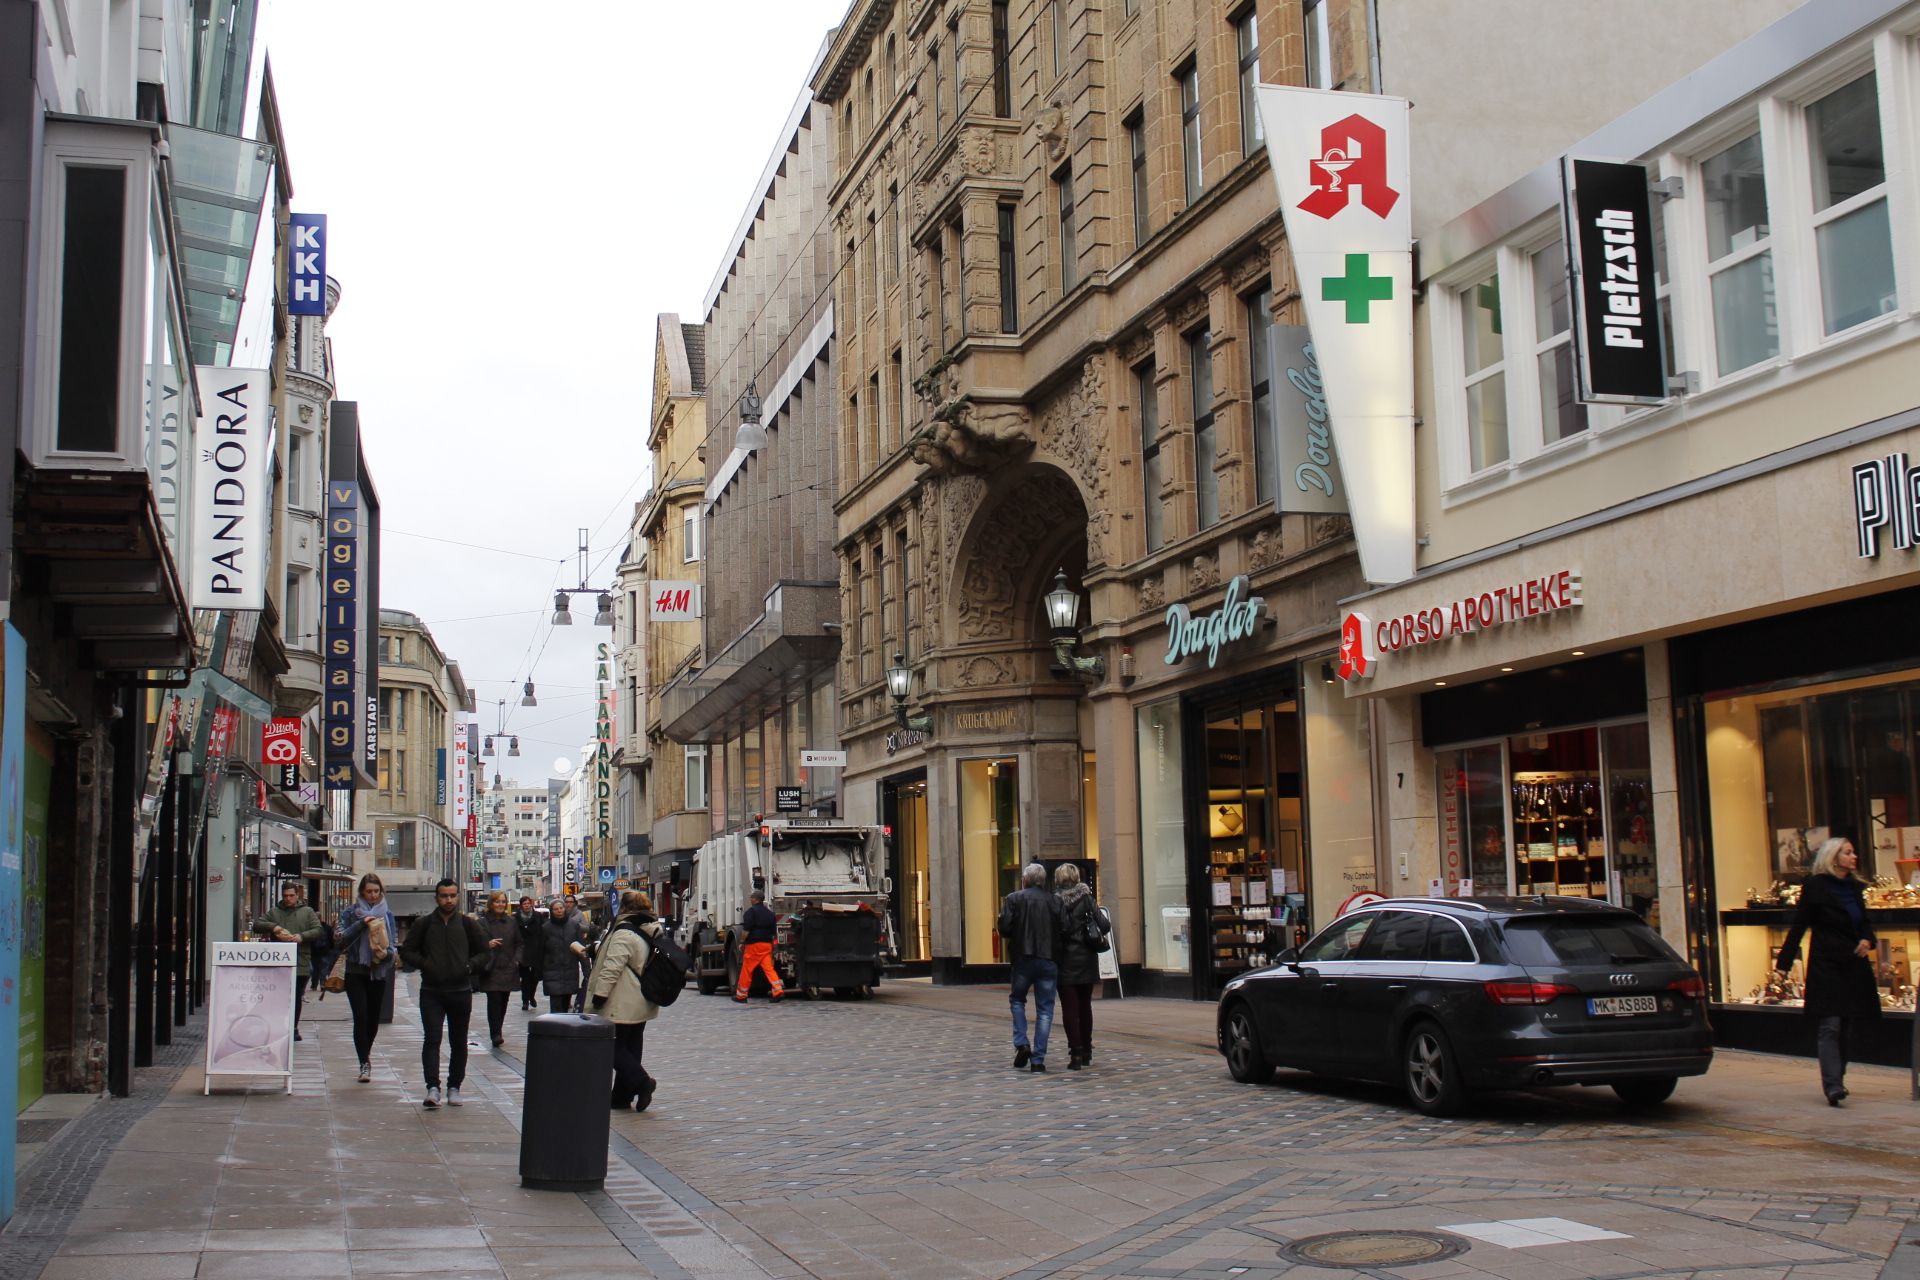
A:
1362, 640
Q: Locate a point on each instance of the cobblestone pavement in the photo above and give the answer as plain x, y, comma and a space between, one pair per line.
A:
891, 1139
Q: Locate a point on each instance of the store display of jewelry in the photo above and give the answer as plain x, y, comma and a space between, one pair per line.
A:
1777, 989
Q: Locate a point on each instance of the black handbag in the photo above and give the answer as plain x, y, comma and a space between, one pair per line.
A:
1094, 932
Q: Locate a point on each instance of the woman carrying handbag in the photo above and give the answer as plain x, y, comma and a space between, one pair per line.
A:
365, 937
1085, 939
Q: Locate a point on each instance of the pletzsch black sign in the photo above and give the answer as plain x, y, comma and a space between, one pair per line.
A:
1616, 317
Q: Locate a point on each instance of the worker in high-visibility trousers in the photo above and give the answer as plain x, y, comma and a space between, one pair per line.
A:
760, 924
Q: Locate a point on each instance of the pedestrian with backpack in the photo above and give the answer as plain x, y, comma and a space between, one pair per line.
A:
621, 992
1084, 941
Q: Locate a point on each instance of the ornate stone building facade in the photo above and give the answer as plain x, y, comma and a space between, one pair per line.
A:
1061, 261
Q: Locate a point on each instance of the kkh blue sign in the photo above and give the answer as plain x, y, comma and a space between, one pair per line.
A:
1235, 619
307, 264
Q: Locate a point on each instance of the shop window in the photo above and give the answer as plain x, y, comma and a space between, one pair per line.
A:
1746, 323
991, 854
1152, 475
1089, 807
1256, 867
1002, 72
1069, 253
1163, 838
1260, 371
1851, 228
1567, 813
1788, 771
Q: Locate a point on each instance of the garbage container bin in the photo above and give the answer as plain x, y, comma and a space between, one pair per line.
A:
564, 1116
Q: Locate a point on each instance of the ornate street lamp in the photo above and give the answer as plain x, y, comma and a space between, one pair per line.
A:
899, 684
1063, 615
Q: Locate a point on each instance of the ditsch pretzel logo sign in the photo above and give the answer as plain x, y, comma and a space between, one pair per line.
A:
1340, 163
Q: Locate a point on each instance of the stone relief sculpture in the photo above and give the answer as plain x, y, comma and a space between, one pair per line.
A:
1204, 573
1074, 431
984, 670
1153, 593
1267, 548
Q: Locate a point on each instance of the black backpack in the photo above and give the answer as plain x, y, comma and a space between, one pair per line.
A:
664, 976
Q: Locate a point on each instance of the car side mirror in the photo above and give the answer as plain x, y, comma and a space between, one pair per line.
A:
1290, 958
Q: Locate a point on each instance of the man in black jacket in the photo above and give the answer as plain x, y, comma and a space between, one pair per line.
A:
529, 919
448, 947
1033, 922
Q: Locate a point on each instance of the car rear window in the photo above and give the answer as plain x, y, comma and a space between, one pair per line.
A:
1606, 940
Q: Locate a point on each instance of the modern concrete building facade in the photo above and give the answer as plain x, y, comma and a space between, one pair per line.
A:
771, 611
414, 841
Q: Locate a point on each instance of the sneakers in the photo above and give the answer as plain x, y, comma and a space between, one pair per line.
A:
1021, 1056
433, 1097
1038, 1068
453, 1095
739, 999
366, 1072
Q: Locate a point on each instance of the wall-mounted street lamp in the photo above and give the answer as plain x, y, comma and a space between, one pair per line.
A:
1063, 615
899, 684
751, 435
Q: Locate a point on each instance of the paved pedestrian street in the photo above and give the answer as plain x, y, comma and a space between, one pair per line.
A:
891, 1138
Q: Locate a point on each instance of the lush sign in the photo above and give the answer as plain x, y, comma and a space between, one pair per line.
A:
1234, 620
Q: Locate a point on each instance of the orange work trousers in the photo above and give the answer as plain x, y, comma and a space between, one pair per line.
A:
759, 955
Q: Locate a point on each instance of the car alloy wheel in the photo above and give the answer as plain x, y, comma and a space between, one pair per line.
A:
1245, 1062
1432, 1078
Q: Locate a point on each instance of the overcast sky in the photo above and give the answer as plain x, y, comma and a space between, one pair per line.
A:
514, 192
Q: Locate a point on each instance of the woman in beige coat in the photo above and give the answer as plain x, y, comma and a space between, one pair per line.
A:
614, 988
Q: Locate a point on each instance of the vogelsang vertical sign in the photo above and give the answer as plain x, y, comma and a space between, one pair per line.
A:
340, 700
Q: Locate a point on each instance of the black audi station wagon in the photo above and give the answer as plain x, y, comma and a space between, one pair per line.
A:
1445, 996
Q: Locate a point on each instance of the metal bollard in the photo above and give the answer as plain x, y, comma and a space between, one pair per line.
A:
564, 1116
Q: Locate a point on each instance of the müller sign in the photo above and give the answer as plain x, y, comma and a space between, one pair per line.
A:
1362, 640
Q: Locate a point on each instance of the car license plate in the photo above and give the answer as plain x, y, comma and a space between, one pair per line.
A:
1614, 1006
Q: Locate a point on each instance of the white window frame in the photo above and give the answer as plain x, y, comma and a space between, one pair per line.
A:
70, 145
1806, 225
1536, 441
1313, 21
691, 551
694, 765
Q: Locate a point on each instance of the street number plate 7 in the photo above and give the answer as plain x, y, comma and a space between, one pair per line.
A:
1614, 1006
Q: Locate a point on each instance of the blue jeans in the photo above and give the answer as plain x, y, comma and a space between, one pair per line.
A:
1044, 977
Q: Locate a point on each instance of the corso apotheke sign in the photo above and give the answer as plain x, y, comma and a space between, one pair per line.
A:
1363, 640
1235, 619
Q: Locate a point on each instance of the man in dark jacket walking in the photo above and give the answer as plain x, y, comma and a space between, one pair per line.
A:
1033, 922
529, 919
448, 947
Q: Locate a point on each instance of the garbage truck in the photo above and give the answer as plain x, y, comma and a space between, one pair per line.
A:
824, 879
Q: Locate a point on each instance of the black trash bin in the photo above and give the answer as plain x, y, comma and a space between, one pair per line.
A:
564, 1117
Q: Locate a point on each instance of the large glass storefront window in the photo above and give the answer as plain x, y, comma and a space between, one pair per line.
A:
990, 850
1788, 770
1256, 858
1568, 813
1163, 838
910, 878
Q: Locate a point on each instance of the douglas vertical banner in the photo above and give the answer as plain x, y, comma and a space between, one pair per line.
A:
340, 704
228, 560
307, 264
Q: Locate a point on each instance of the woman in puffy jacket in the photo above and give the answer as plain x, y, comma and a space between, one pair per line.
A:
563, 940
615, 991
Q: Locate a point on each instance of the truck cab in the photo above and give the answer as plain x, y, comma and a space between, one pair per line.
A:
823, 878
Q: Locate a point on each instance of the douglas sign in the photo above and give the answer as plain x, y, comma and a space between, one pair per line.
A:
1235, 619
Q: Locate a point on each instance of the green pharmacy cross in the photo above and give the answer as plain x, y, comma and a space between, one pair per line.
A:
1358, 288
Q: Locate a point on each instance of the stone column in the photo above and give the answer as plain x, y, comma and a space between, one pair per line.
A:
1669, 866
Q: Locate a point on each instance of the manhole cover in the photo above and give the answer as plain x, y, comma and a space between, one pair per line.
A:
1373, 1248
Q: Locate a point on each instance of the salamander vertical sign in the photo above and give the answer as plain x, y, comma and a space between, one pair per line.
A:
1609, 215
340, 703
307, 264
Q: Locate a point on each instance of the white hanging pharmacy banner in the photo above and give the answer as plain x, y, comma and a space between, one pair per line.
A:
1340, 163
227, 560
250, 1011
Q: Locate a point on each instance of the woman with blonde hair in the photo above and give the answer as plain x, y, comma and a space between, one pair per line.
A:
366, 933
1079, 962
616, 995
1840, 984
502, 976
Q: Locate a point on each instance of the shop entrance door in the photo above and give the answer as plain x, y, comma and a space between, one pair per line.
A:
904, 804
1246, 833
